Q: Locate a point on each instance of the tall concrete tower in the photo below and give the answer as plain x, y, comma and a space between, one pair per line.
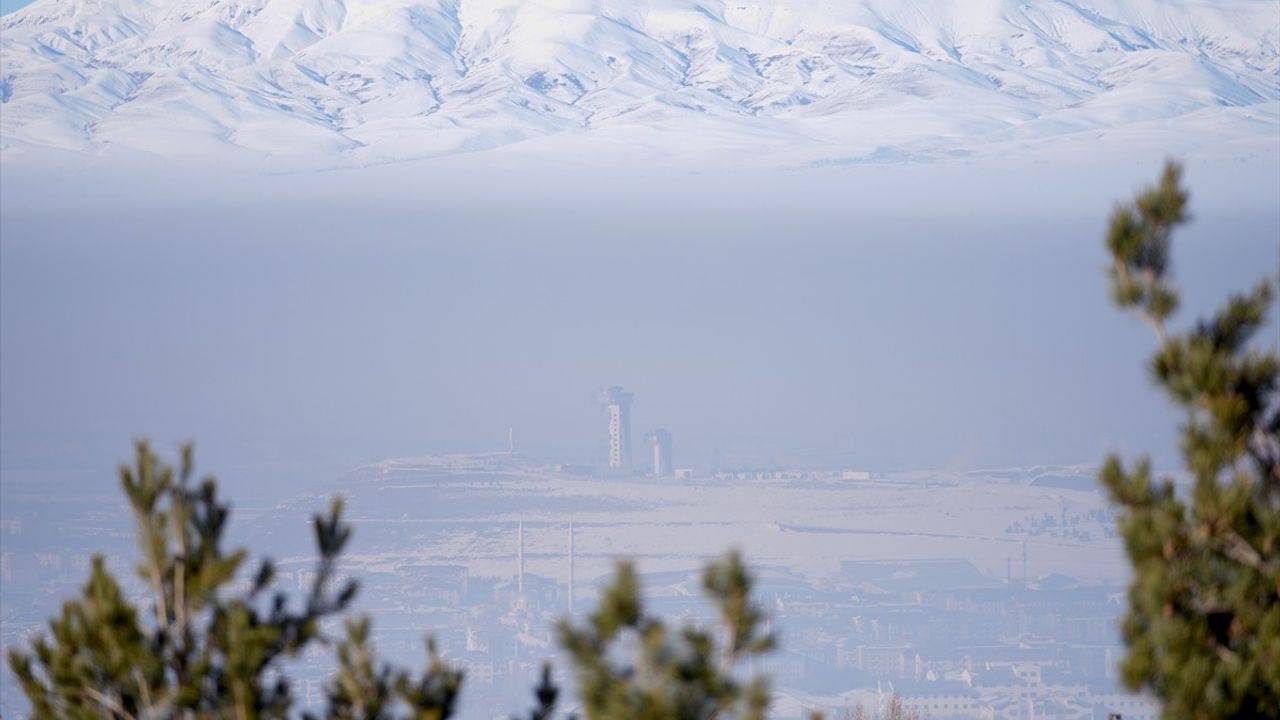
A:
660, 443
617, 403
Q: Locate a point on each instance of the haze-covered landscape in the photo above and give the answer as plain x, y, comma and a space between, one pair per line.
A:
537, 286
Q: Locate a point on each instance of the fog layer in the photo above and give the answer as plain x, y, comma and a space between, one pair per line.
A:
872, 319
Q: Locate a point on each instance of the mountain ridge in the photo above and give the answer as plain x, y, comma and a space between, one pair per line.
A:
373, 80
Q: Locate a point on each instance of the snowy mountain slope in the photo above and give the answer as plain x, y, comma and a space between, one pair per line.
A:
394, 79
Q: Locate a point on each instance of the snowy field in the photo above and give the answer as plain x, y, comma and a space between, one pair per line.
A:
408, 511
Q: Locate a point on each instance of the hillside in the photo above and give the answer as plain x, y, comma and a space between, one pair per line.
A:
875, 80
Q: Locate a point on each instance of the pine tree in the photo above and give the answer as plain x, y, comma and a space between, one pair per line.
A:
205, 652
631, 665
1203, 622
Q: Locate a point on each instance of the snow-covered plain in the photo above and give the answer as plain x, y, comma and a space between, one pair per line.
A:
354, 82
466, 513
529, 543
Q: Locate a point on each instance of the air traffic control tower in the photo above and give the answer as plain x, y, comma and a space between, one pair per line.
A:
617, 403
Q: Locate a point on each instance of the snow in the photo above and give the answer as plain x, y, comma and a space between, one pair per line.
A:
809, 525
357, 82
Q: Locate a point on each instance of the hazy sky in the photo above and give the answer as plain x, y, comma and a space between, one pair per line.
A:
295, 339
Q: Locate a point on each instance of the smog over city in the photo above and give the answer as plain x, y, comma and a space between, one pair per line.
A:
539, 288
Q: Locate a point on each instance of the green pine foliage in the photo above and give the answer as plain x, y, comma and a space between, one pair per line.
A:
546, 693
1203, 623
364, 689
205, 651
629, 664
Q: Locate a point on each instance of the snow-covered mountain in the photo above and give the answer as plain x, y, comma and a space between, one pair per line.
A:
374, 80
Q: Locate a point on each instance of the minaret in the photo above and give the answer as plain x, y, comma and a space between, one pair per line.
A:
571, 566
1024, 563
520, 560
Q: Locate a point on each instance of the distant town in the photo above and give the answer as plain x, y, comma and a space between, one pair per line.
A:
983, 595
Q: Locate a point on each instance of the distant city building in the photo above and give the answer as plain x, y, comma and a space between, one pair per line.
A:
684, 473
660, 443
617, 403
